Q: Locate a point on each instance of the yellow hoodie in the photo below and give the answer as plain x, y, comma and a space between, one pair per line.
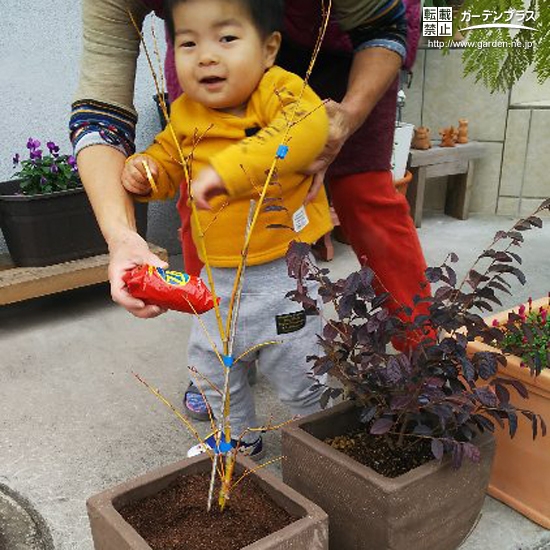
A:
219, 139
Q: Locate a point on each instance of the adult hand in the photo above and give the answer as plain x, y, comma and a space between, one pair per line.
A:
128, 250
207, 185
341, 127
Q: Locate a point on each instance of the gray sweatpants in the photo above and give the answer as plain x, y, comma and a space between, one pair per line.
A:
264, 315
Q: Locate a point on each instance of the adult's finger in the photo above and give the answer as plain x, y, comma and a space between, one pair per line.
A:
316, 184
129, 251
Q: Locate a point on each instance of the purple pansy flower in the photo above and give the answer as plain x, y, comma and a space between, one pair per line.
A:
54, 149
54, 169
43, 180
16, 159
71, 161
36, 154
33, 144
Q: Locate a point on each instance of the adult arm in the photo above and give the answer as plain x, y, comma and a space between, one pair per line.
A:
379, 50
100, 167
102, 131
372, 73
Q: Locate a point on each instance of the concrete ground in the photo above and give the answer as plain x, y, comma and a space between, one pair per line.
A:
74, 420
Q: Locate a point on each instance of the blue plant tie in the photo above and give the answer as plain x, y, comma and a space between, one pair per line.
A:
282, 150
224, 446
228, 361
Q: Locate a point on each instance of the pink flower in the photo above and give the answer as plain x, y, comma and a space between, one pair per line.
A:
495, 323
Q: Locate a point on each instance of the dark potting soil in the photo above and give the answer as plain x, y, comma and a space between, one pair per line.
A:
375, 452
176, 518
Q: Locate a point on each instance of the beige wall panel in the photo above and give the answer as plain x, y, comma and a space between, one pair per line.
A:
536, 182
449, 95
508, 206
528, 90
486, 180
412, 112
515, 150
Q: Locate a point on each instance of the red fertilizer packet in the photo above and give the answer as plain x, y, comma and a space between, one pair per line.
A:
169, 289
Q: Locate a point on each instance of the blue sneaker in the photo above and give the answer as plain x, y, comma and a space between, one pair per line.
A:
254, 450
194, 404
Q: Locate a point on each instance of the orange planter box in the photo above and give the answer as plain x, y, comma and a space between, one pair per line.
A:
520, 476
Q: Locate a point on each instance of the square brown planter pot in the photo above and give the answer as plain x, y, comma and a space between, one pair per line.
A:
111, 532
520, 476
428, 508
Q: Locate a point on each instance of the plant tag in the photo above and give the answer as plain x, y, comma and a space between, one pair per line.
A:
300, 219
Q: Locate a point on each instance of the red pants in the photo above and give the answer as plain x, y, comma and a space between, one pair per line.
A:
376, 220
191, 261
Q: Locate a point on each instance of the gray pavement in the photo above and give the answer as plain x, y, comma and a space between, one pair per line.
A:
75, 421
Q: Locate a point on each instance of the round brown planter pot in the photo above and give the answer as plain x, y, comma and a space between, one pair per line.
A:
430, 507
402, 184
111, 532
520, 475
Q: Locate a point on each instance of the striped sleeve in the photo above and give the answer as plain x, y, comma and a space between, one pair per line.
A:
103, 110
375, 23
94, 122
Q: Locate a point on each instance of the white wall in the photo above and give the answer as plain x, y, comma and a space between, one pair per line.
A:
39, 63
512, 178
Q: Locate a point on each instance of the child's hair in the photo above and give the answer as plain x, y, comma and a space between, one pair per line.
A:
266, 15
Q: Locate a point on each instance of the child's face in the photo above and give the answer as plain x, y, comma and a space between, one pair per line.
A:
220, 55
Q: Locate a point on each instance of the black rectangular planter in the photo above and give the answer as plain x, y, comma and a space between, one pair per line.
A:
56, 227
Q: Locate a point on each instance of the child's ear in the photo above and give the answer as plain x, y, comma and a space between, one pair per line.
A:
271, 48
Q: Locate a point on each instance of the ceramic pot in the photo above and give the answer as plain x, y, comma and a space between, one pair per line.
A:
520, 470
430, 507
111, 532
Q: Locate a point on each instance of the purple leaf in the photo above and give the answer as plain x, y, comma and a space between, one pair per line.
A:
437, 449
502, 393
520, 388
472, 452
381, 426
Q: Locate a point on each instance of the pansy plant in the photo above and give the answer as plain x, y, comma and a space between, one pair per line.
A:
46, 173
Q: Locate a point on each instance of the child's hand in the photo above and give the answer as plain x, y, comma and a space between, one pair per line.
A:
134, 177
207, 185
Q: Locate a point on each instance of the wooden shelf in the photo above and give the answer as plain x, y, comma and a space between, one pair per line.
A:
23, 283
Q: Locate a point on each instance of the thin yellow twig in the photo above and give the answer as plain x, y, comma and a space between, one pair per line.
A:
204, 378
257, 346
268, 427
178, 414
259, 467
215, 217
205, 330
186, 172
150, 177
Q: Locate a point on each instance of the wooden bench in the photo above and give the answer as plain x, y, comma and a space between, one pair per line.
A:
455, 162
23, 283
